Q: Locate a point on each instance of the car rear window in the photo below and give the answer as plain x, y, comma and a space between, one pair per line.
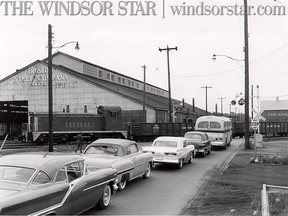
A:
13, 173
41, 178
193, 136
160, 143
106, 150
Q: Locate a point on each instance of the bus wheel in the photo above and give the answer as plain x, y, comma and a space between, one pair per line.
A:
225, 147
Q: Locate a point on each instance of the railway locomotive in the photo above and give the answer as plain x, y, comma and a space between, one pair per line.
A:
106, 123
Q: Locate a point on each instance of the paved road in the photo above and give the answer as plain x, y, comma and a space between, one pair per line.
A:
168, 189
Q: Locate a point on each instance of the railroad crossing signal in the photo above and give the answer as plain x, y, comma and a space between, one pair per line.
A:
241, 102
233, 102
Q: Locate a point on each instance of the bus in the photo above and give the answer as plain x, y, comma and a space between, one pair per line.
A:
218, 128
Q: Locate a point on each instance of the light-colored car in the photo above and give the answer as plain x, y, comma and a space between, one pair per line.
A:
125, 156
200, 140
48, 183
172, 150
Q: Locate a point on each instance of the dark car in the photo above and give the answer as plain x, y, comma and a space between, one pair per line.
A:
201, 142
47, 183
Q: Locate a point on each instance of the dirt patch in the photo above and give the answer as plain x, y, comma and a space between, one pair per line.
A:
237, 191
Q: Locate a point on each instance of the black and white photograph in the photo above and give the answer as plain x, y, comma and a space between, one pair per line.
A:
144, 107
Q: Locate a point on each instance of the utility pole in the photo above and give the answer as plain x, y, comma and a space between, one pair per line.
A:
169, 85
247, 133
221, 98
50, 93
229, 109
144, 93
252, 101
206, 87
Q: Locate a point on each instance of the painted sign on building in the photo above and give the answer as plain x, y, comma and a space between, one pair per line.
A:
276, 115
38, 76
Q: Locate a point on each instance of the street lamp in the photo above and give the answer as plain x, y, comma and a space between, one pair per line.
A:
50, 93
234, 59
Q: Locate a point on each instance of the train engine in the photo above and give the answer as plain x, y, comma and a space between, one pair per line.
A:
106, 123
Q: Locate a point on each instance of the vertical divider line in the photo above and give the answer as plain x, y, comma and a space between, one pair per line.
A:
163, 9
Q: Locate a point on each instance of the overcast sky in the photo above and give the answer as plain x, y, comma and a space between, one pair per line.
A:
125, 42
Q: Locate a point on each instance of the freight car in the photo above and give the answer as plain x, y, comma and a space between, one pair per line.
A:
267, 129
150, 131
238, 129
274, 128
106, 123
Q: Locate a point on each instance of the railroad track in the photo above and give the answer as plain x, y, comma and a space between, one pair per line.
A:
17, 145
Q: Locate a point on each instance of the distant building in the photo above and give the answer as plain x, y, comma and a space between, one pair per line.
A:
275, 110
81, 87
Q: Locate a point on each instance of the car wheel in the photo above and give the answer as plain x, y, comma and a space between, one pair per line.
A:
153, 166
204, 153
191, 158
105, 198
147, 172
180, 165
122, 185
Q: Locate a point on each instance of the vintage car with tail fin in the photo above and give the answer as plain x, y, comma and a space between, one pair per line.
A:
171, 150
50, 183
125, 156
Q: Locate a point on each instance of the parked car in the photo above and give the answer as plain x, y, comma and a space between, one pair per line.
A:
49, 183
173, 150
125, 156
201, 142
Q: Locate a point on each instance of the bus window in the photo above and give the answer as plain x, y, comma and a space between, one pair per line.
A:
215, 124
203, 124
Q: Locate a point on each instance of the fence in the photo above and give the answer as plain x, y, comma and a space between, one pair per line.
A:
267, 189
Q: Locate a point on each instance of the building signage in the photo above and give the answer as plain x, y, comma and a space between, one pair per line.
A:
276, 115
38, 76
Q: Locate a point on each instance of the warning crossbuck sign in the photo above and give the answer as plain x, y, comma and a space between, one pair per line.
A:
259, 115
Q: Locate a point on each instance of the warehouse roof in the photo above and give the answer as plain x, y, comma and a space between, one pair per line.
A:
151, 100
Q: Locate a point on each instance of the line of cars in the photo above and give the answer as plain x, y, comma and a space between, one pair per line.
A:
52, 183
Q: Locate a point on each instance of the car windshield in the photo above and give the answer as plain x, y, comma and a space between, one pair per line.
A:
102, 150
162, 143
193, 136
13, 173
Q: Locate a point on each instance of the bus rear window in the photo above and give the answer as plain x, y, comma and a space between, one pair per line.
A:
215, 124
203, 124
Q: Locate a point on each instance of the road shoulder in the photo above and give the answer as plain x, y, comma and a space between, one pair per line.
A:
236, 190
